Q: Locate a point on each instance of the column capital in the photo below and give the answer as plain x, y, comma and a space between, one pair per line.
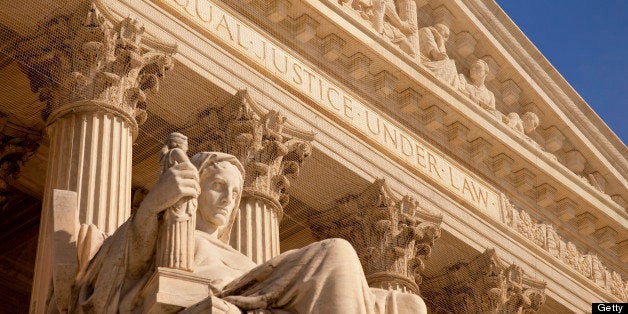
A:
88, 56
269, 148
393, 236
484, 284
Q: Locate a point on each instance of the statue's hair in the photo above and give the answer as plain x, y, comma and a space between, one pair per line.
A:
441, 28
485, 66
206, 162
531, 117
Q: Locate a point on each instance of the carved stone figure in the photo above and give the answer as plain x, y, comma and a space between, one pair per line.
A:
434, 54
530, 122
525, 126
513, 121
475, 88
387, 21
323, 277
270, 150
394, 19
176, 244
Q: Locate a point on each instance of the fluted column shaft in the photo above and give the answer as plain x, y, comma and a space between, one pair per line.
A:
255, 232
90, 153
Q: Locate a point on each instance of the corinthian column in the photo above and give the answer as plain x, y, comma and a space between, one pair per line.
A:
484, 284
393, 237
271, 153
92, 73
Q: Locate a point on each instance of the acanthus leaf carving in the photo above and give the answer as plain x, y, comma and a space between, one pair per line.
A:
259, 140
485, 284
392, 236
89, 57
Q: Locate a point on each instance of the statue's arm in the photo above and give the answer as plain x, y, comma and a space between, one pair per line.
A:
390, 11
177, 182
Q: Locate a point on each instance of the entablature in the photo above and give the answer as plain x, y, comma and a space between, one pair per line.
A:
349, 51
490, 161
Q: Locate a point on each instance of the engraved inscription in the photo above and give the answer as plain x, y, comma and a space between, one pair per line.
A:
341, 104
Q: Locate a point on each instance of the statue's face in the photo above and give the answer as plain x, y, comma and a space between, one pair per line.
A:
444, 32
477, 72
220, 190
529, 123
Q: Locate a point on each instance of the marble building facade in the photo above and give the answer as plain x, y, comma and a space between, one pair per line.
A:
432, 136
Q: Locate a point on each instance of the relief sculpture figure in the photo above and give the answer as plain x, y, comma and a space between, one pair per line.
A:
434, 54
323, 277
475, 88
388, 21
394, 19
526, 126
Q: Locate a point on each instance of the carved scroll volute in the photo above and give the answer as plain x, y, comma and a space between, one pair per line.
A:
485, 284
393, 237
88, 57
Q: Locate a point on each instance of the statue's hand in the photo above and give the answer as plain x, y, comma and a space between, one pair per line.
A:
438, 55
179, 181
407, 28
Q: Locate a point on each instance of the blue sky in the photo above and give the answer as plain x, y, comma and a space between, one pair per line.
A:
587, 42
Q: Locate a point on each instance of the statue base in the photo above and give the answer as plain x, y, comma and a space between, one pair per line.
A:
172, 290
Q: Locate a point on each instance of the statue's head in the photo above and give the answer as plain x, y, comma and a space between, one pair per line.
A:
530, 121
479, 70
221, 179
443, 30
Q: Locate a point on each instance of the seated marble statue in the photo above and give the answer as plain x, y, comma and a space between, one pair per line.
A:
323, 277
475, 88
434, 56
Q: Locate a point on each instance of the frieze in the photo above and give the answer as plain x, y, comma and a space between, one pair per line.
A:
546, 237
484, 284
